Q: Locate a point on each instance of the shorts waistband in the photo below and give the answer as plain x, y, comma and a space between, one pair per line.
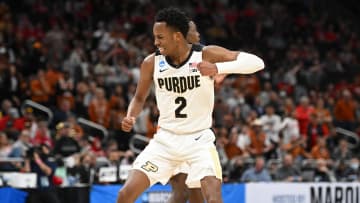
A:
182, 134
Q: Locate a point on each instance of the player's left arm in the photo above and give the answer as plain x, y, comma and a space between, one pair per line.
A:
219, 60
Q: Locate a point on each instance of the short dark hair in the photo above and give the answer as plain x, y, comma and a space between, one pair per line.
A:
174, 18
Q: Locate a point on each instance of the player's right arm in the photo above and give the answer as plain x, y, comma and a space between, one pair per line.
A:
141, 93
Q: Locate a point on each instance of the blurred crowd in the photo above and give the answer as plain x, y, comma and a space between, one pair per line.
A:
298, 120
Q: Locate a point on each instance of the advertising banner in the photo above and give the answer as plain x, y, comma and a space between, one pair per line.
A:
302, 192
161, 193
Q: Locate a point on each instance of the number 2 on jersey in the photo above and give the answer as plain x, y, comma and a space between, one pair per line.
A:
182, 102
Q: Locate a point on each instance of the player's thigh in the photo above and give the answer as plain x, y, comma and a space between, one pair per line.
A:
155, 163
204, 161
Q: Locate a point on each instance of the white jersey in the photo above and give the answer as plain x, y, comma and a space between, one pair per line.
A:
185, 98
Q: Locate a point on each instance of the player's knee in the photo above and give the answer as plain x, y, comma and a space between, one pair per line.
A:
180, 195
213, 199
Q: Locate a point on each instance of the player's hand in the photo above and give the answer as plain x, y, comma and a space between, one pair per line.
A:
207, 69
127, 123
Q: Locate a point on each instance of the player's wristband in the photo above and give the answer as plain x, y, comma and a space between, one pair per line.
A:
245, 63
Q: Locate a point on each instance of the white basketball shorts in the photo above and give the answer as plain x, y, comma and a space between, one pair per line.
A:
167, 151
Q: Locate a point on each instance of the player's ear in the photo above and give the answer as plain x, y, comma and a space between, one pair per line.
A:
177, 36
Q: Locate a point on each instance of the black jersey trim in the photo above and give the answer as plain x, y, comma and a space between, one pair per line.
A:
194, 47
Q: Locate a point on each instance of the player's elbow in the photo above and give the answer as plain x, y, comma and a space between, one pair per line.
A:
257, 64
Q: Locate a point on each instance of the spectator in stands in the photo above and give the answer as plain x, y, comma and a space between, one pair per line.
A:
323, 113
345, 172
117, 113
76, 131
259, 145
65, 144
5, 150
13, 80
81, 104
297, 148
84, 169
319, 151
271, 123
40, 88
344, 111
288, 171
332, 141
258, 173
62, 113
22, 144
6, 105
42, 134
303, 112
322, 172
316, 129
354, 174
99, 108
38, 162
237, 167
232, 149
289, 127
221, 142
11, 123
342, 151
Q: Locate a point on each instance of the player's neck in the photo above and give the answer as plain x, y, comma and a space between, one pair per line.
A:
181, 55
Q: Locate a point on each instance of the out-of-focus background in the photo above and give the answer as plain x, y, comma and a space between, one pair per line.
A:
68, 69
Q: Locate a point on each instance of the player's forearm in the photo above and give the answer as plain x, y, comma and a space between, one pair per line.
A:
245, 63
135, 107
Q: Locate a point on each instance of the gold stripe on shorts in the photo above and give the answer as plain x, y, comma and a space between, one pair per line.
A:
216, 161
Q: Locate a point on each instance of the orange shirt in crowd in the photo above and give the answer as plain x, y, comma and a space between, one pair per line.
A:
232, 150
257, 142
40, 90
53, 77
99, 112
345, 110
318, 152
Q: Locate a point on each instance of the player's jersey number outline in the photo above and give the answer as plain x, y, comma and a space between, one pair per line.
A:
182, 102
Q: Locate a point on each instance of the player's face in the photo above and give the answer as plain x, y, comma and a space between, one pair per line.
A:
164, 38
193, 35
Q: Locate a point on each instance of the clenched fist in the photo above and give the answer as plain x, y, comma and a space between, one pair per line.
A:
207, 69
127, 123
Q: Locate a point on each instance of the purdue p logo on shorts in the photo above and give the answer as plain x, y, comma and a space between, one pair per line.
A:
150, 167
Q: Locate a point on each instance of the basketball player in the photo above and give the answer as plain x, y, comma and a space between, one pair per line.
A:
180, 192
184, 88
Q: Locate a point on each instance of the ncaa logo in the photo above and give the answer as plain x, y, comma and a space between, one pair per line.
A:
162, 66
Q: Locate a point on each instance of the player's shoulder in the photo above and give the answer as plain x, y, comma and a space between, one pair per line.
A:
212, 48
150, 58
215, 53
148, 62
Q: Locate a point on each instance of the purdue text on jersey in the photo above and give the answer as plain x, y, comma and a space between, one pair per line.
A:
179, 84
